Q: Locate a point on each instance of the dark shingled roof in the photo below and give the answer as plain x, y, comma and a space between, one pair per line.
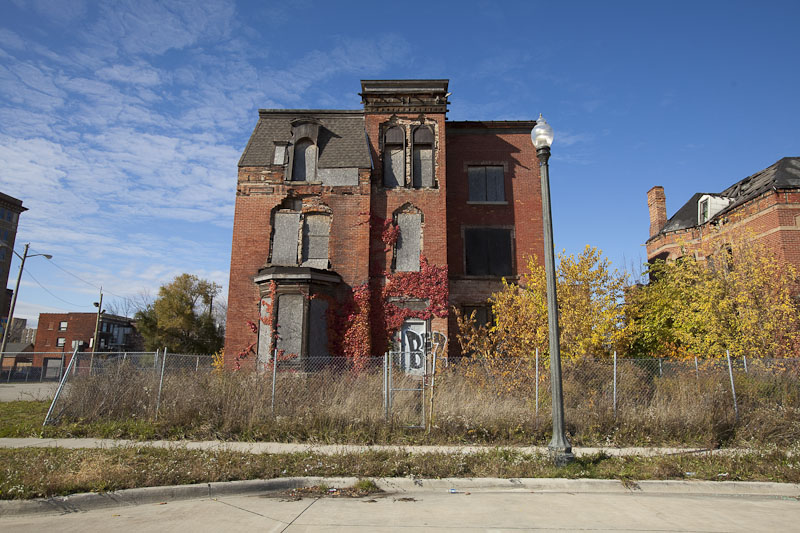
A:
785, 174
685, 217
342, 139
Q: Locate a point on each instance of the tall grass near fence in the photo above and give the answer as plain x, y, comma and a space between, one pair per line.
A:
645, 402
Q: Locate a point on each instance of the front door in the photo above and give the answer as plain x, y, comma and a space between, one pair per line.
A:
412, 347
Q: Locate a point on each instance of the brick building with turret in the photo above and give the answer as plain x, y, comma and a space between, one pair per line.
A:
357, 232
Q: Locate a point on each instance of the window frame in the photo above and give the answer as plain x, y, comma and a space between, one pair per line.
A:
400, 178
61, 342
431, 144
485, 166
511, 251
62, 325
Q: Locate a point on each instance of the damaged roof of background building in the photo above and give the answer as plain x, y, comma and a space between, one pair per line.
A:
784, 174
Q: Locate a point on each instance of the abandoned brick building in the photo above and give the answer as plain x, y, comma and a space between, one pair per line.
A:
762, 208
357, 232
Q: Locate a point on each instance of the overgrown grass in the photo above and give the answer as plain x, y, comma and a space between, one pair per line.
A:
476, 405
36, 472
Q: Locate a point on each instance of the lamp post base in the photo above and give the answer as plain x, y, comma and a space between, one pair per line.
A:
561, 456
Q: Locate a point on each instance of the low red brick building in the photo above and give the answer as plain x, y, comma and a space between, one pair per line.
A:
358, 231
62, 332
763, 208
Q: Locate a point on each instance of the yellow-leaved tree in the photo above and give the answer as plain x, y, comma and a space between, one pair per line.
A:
590, 295
740, 299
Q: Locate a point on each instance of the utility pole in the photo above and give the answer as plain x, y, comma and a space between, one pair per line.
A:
10, 319
96, 329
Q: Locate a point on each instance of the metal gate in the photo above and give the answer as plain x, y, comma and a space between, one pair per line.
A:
409, 371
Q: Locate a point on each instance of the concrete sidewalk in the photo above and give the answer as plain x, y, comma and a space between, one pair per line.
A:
423, 505
283, 447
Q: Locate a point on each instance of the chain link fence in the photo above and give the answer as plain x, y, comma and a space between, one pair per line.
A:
415, 390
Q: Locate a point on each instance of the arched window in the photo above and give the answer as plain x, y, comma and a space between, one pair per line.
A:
423, 157
304, 167
394, 157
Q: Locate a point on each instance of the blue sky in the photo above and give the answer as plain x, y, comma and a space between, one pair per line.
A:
121, 123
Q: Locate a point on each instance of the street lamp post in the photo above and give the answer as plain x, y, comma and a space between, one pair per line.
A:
560, 448
22, 257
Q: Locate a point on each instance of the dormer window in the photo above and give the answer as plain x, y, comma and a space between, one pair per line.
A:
704, 211
303, 156
279, 158
709, 205
304, 167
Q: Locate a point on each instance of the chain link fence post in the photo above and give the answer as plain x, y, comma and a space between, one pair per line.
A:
733, 387
537, 381
72, 362
161, 380
615, 384
274, 377
386, 386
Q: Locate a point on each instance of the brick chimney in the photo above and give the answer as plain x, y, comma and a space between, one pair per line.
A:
657, 204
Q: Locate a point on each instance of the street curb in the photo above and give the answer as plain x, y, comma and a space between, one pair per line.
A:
77, 503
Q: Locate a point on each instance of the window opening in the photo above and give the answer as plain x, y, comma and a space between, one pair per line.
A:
316, 232
394, 158
488, 251
408, 245
423, 158
486, 184
304, 167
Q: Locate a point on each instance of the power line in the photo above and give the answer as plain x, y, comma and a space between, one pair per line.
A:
27, 273
73, 275
80, 278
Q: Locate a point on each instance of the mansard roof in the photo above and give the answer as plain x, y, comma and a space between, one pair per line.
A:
342, 141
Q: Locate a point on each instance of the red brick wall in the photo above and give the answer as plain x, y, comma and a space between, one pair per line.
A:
431, 202
770, 219
359, 257
259, 191
80, 326
491, 144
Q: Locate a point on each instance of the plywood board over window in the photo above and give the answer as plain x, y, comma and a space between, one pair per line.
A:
394, 158
486, 184
423, 158
290, 323
408, 247
284, 238
316, 231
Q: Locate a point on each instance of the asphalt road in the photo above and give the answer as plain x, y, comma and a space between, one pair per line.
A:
12, 392
438, 510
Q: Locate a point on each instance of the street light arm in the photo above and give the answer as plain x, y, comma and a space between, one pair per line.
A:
46, 256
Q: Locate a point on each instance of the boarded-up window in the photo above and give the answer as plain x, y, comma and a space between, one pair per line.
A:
264, 334
316, 230
407, 248
279, 158
423, 158
318, 329
284, 238
290, 323
488, 251
394, 159
486, 184
304, 167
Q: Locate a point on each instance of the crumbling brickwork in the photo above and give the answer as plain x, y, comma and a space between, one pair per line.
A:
377, 222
